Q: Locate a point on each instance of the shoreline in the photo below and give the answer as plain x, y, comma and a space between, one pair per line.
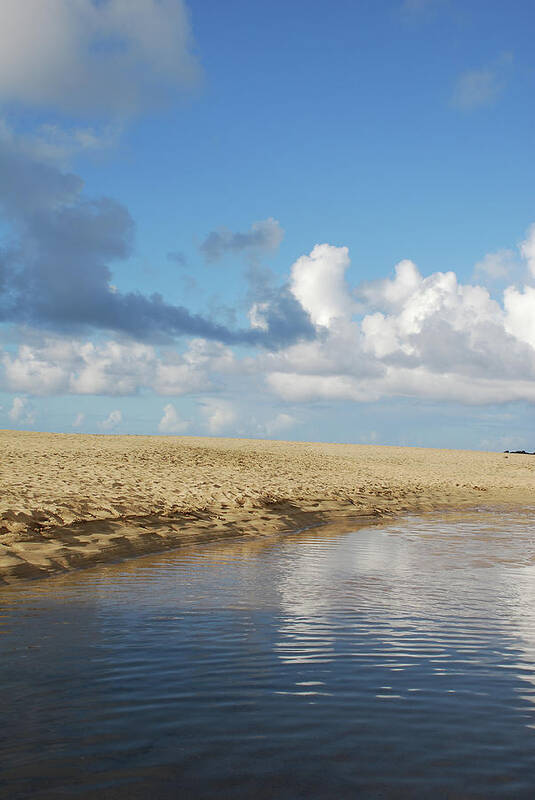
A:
66, 498
89, 544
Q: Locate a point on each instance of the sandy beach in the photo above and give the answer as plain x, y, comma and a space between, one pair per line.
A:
72, 500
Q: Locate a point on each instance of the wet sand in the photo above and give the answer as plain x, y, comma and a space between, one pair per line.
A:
73, 500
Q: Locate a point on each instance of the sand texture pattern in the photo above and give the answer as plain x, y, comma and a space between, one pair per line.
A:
75, 500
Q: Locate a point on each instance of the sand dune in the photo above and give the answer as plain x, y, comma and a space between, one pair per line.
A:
74, 500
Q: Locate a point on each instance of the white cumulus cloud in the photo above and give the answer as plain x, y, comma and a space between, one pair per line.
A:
279, 423
317, 282
113, 419
496, 265
220, 415
430, 337
171, 422
392, 292
520, 313
79, 420
69, 366
21, 411
302, 387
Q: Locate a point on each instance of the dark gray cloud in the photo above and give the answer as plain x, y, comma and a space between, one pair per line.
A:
284, 314
57, 274
277, 306
263, 236
95, 55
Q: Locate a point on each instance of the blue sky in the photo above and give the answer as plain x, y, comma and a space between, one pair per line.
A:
202, 151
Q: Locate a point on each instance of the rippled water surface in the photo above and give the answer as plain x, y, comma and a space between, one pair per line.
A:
395, 661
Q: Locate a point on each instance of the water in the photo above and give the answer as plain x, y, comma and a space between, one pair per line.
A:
397, 661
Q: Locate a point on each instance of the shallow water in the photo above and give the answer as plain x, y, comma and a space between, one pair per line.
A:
395, 661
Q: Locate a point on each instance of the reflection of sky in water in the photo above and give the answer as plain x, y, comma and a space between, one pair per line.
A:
416, 594
311, 663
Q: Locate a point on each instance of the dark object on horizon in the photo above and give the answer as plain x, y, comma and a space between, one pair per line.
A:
519, 452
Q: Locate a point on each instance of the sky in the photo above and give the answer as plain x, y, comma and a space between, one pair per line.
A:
299, 220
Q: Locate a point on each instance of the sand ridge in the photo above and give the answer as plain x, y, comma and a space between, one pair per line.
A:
69, 500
